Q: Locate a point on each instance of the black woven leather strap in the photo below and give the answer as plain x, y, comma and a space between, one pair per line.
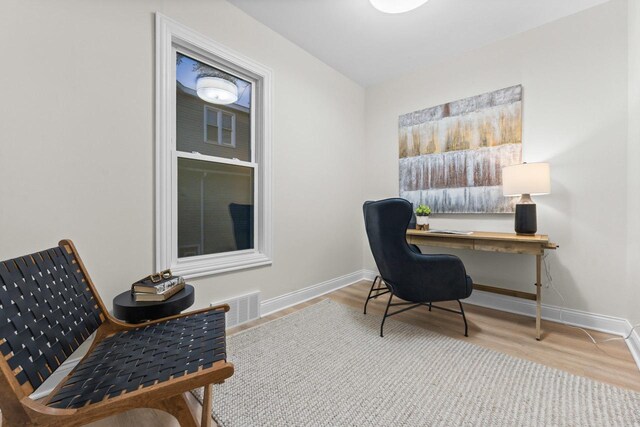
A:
46, 311
145, 356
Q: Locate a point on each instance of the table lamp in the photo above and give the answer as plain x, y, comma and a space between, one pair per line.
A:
524, 180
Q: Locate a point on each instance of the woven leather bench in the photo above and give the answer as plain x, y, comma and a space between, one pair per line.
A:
49, 306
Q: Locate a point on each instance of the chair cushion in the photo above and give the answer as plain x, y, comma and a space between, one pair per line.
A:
129, 360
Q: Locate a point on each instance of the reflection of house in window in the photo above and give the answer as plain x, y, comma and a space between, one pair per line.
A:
219, 127
205, 192
189, 250
212, 130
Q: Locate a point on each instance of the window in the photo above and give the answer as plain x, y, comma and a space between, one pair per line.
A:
213, 189
219, 127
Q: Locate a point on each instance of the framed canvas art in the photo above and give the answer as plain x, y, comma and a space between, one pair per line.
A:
452, 155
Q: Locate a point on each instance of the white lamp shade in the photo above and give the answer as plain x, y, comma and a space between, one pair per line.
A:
527, 178
216, 90
396, 6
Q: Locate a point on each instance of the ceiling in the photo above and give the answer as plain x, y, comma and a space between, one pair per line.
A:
370, 46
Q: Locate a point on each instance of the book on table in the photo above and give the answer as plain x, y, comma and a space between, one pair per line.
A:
157, 287
161, 296
148, 286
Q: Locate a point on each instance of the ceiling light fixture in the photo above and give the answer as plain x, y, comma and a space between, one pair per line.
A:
396, 6
217, 90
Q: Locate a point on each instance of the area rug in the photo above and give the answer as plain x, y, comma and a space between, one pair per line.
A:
326, 365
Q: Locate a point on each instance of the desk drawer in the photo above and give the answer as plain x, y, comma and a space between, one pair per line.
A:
441, 242
508, 247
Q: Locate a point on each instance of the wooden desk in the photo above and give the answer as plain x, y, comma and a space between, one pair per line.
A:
510, 243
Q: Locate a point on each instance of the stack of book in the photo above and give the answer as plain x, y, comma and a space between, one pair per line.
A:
148, 290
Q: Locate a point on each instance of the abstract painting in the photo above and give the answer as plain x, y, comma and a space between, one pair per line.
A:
452, 155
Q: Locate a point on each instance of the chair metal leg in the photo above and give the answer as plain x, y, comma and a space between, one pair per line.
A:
370, 290
386, 311
466, 328
412, 305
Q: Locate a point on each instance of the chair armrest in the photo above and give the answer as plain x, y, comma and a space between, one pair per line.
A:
37, 410
433, 278
120, 325
438, 263
150, 397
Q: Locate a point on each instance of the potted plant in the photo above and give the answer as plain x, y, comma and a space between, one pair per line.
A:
422, 217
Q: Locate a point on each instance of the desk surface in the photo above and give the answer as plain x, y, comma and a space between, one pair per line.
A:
484, 235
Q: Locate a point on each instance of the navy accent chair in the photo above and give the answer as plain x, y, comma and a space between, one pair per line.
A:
415, 278
242, 217
381, 288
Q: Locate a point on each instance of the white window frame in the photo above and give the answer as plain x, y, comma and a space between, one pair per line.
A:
219, 114
171, 35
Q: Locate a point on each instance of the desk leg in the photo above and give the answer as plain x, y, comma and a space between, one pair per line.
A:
538, 294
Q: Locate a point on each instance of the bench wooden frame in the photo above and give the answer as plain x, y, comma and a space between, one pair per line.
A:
18, 409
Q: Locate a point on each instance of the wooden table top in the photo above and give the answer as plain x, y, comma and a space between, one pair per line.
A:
483, 235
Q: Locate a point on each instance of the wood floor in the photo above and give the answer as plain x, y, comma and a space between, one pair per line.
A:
562, 347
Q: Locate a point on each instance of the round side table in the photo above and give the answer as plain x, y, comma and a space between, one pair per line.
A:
126, 308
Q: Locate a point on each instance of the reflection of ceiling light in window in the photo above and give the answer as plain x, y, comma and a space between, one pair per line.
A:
396, 6
217, 90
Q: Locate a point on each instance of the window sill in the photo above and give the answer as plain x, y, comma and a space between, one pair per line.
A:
190, 269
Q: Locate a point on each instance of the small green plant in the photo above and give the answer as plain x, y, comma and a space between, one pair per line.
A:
423, 210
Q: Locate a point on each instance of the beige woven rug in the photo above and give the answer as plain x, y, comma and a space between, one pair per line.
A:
326, 365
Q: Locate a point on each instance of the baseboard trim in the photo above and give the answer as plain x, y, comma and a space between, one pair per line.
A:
634, 345
583, 319
597, 322
290, 299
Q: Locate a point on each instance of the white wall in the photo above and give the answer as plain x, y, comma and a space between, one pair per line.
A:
633, 156
574, 74
76, 145
77, 142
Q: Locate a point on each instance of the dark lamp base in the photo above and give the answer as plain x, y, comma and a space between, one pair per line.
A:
526, 221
